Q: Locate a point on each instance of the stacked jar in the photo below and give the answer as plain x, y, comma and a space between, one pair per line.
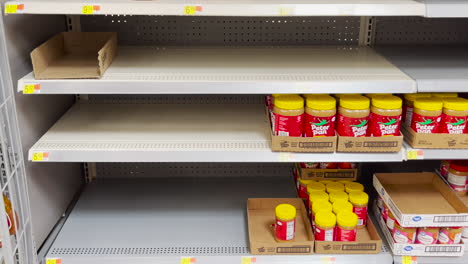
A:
385, 117
353, 116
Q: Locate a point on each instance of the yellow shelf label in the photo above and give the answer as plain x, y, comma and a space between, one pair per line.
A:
327, 260
248, 260
409, 260
14, 8
90, 9
187, 260
31, 88
41, 156
285, 11
415, 154
54, 261
192, 10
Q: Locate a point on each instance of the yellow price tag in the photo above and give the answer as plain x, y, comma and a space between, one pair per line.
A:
192, 10
409, 260
248, 260
54, 261
40, 156
285, 11
14, 8
187, 260
327, 260
90, 9
31, 88
415, 154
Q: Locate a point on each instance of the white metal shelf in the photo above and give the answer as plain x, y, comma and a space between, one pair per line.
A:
435, 69
434, 154
159, 221
238, 70
173, 133
232, 8
446, 8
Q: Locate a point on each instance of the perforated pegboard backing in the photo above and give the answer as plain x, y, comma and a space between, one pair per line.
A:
173, 30
151, 170
421, 31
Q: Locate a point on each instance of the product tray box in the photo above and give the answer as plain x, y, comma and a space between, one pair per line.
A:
300, 144
463, 198
327, 174
369, 144
261, 217
367, 241
434, 141
417, 249
74, 55
420, 199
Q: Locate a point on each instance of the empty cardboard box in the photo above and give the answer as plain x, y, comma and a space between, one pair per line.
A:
75, 55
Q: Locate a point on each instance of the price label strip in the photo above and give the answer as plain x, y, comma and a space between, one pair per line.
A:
409, 260
91, 9
43, 156
32, 88
415, 154
327, 260
285, 11
187, 260
54, 261
14, 8
192, 10
248, 260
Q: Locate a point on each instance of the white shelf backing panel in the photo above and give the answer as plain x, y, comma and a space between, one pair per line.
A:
435, 69
435, 154
231, 8
160, 221
172, 133
446, 8
238, 70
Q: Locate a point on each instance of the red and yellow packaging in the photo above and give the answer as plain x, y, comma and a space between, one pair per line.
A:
325, 223
385, 117
320, 116
285, 227
427, 115
335, 187
454, 116
408, 106
288, 116
346, 226
353, 116
360, 201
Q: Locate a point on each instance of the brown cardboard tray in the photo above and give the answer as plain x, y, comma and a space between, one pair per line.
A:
463, 198
369, 144
261, 216
367, 241
74, 55
327, 174
434, 141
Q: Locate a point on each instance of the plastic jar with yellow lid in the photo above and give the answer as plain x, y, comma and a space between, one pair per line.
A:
325, 182
320, 116
385, 118
427, 115
315, 196
454, 116
444, 95
342, 206
325, 223
334, 187
321, 206
360, 201
288, 116
346, 226
285, 227
269, 100
354, 187
302, 187
353, 116
408, 106
315, 186
338, 196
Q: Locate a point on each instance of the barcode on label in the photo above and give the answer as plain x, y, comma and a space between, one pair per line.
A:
454, 218
364, 246
360, 222
290, 250
344, 174
443, 249
283, 134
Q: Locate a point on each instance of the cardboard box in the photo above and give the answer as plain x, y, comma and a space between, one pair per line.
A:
327, 174
417, 249
74, 55
463, 198
368, 241
261, 217
369, 144
420, 199
435, 141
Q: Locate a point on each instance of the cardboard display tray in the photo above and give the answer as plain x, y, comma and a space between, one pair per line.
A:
327, 174
74, 55
367, 241
261, 216
420, 199
417, 249
434, 141
369, 144
463, 198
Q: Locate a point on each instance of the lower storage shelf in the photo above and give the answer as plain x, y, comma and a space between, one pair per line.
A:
171, 220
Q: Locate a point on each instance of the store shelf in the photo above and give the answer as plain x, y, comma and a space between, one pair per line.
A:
160, 221
433, 260
434, 154
446, 8
238, 70
230, 8
172, 133
435, 69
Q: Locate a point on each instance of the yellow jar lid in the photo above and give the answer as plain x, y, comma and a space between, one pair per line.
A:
456, 103
289, 102
387, 101
353, 186
320, 206
342, 206
377, 94
444, 95
276, 95
413, 96
358, 197
315, 196
355, 102
338, 196
315, 186
325, 181
334, 186
305, 182
347, 219
321, 102
285, 211
325, 219
429, 104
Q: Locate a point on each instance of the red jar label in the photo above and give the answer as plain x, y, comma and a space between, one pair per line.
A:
452, 124
302, 193
425, 124
285, 230
324, 234
352, 127
361, 213
289, 126
316, 126
380, 126
345, 235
